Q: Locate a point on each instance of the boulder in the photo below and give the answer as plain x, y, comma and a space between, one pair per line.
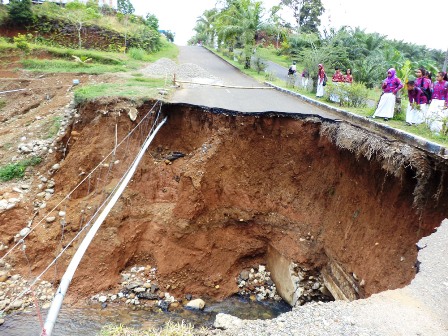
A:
225, 321
196, 304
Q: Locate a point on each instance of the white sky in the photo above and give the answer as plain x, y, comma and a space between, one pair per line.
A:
399, 19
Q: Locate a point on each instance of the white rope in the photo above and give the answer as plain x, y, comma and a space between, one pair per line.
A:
77, 186
71, 269
79, 232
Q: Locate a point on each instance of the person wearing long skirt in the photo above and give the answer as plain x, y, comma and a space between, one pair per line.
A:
437, 110
337, 78
305, 78
320, 81
415, 113
391, 85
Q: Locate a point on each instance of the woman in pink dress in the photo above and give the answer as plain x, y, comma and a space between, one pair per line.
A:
391, 85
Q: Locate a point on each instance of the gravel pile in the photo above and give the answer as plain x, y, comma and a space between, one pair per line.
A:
186, 71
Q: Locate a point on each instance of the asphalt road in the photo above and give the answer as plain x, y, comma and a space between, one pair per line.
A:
243, 100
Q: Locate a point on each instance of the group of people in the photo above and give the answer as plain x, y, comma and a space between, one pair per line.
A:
337, 78
305, 74
427, 99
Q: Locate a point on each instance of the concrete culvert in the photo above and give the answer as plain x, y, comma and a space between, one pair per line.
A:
331, 210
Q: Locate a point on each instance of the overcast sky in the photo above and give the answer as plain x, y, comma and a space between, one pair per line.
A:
398, 19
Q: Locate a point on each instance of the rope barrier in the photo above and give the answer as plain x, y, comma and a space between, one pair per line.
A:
82, 229
77, 186
67, 277
228, 86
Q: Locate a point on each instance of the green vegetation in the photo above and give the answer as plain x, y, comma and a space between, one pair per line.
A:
2, 103
17, 170
71, 66
135, 88
271, 54
54, 127
170, 329
107, 29
365, 111
20, 12
368, 55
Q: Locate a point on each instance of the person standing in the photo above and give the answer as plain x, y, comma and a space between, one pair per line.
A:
391, 85
415, 113
348, 78
305, 78
321, 81
437, 110
337, 78
424, 82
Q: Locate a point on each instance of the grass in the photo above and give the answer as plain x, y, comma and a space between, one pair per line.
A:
134, 88
168, 50
54, 127
398, 122
270, 54
71, 66
170, 329
2, 103
17, 170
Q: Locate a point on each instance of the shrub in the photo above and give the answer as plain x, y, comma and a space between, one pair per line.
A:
20, 12
137, 54
21, 42
17, 170
351, 95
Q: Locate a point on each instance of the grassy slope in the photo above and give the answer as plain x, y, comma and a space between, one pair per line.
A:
135, 88
398, 121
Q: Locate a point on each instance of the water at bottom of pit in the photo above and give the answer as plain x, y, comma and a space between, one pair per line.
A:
88, 321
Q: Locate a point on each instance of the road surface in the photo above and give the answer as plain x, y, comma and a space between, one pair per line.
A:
243, 100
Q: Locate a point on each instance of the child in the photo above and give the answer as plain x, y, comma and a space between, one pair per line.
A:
305, 78
437, 110
415, 113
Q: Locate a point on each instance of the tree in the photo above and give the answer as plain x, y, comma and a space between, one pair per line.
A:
125, 7
20, 12
310, 13
306, 13
240, 22
205, 25
152, 21
445, 63
78, 14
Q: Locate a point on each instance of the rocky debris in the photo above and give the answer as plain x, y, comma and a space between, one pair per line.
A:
35, 147
138, 288
257, 281
11, 285
167, 68
310, 286
198, 304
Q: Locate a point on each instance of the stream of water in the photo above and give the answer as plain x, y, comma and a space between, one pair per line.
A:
88, 321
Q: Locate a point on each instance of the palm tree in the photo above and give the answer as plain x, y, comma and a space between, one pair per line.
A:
205, 25
240, 22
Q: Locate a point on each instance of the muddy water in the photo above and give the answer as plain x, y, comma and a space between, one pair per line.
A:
88, 321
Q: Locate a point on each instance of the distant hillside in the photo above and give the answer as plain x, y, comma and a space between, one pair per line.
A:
87, 26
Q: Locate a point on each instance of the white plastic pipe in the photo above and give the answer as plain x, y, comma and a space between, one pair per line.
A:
68, 275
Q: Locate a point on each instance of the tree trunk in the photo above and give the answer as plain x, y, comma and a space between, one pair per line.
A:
445, 64
79, 35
